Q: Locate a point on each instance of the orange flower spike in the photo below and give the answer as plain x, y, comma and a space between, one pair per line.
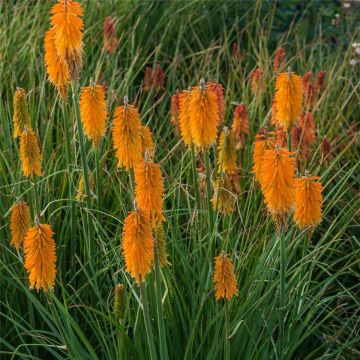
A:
326, 150
279, 59
184, 116
262, 143
240, 125
21, 117
224, 278
93, 112
281, 136
224, 197
219, 91
258, 152
149, 188
109, 35
320, 81
138, 244
308, 202
154, 78
257, 81
56, 68
274, 120
40, 257
68, 25
30, 153
159, 78
80, 191
204, 115
277, 180
146, 141
235, 182
309, 89
160, 244
127, 134
20, 223
307, 79
227, 152
148, 78
304, 135
288, 97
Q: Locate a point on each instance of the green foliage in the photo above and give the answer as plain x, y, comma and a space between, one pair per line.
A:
189, 39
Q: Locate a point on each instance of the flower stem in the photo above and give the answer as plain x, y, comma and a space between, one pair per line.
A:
97, 174
36, 197
85, 170
194, 168
227, 331
147, 322
209, 192
289, 139
281, 239
69, 176
161, 325
82, 149
121, 341
132, 184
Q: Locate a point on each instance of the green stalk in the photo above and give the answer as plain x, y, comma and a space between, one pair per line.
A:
195, 179
36, 198
289, 139
227, 331
97, 173
161, 325
85, 169
68, 160
221, 175
62, 331
147, 322
197, 242
132, 183
121, 341
82, 148
209, 192
281, 239
32, 322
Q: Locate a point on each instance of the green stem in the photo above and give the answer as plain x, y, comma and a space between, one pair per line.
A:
227, 331
97, 174
36, 198
209, 192
67, 127
32, 321
85, 171
221, 175
132, 184
161, 325
82, 148
289, 139
147, 322
194, 168
282, 239
49, 297
121, 341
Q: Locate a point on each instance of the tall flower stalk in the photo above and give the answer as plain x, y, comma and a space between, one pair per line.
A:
160, 317
86, 173
278, 185
225, 288
138, 250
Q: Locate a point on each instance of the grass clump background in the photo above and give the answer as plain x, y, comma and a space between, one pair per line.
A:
222, 42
